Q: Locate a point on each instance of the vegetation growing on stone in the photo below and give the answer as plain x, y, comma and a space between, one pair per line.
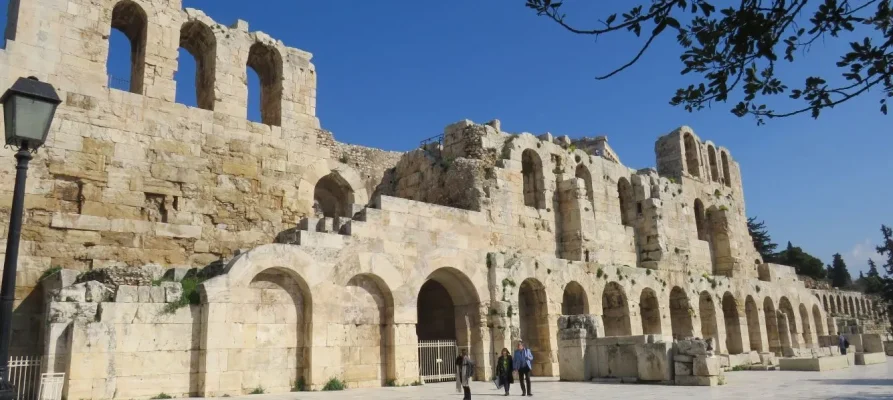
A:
333, 384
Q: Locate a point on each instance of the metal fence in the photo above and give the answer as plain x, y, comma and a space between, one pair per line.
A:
437, 360
24, 375
51, 386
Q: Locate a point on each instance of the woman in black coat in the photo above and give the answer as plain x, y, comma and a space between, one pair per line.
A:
504, 370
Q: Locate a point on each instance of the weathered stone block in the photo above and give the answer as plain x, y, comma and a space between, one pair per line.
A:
655, 363
813, 364
127, 294
683, 368
96, 292
870, 358
173, 291
697, 380
706, 366
693, 347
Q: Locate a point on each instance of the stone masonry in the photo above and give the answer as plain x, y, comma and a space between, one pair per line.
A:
203, 254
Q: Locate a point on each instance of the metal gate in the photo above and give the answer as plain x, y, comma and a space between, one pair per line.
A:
24, 375
437, 360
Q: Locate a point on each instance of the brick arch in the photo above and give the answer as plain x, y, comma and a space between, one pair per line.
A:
347, 175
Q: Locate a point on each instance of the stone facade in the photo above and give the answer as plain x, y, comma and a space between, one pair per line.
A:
335, 261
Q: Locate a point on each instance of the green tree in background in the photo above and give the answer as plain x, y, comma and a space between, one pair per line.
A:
886, 249
840, 276
872, 283
803, 262
761, 240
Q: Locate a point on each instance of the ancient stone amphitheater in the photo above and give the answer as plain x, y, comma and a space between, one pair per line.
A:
303, 259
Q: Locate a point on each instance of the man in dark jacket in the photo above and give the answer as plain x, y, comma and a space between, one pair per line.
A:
523, 363
842, 343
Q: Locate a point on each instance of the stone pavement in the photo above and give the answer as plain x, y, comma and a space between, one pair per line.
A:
856, 383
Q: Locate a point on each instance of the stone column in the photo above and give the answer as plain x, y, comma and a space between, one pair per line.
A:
406, 353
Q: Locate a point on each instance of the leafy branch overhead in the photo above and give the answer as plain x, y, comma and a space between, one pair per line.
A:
734, 51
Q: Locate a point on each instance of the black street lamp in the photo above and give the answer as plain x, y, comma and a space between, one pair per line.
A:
28, 109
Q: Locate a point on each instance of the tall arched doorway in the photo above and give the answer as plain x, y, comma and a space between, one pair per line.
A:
369, 317
807, 329
533, 313
772, 326
615, 311
817, 318
787, 311
574, 301
707, 311
649, 309
733, 324
449, 319
753, 324
680, 314
332, 196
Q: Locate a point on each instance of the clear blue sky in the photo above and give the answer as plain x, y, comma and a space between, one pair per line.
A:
391, 73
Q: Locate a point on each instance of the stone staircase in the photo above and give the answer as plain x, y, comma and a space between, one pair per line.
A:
329, 232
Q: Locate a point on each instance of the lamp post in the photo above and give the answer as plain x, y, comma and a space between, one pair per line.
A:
28, 109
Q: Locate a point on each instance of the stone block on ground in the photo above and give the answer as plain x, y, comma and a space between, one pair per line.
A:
655, 362
683, 369
697, 380
813, 364
706, 366
870, 358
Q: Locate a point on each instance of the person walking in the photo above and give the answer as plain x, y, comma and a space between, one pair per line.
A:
843, 344
464, 372
522, 362
504, 368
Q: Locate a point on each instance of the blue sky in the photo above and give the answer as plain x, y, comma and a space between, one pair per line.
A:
391, 73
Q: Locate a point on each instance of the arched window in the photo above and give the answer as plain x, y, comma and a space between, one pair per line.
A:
332, 196
583, 173
532, 171
714, 169
266, 62
627, 202
700, 220
197, 39
726, 174
129, 19
691, 155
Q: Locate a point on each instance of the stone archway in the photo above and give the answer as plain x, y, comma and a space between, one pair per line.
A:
533, 314
807, 329
817, 318
333, 196
754, 332
734, 342
772, 326
649, 309
574, 301
369, 318
615, 311
787, 311
707, 311
680, 314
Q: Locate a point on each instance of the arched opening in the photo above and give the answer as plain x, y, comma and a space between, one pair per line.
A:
280, 305
532, 172
852, 307
626, 202
649, 309
727, 176
718, 229
615, 311
772, 326
448, 309
807, 328
533, 313
574, 301
701, 220
583, 173
707, 311
369, 317
825, 302
691, 156
817, 319
129, 19
332, 196
733, 324
753, 324
840, 308
198, 40
266, 62
787, 311
714, 169
680, 314
832, 305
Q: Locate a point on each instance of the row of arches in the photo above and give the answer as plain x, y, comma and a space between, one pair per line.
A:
717, 172
849, 305
198, 43
778, 327
534, 187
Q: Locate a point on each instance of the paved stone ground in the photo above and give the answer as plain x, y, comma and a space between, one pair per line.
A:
856, 383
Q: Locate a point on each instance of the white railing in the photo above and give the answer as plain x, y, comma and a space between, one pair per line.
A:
24, 375
51, 386
437, 360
